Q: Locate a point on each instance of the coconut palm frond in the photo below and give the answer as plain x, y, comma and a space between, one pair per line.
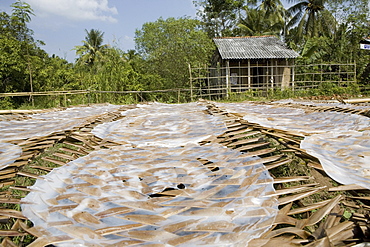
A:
92, 48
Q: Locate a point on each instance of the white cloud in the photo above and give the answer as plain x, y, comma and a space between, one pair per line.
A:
85, 10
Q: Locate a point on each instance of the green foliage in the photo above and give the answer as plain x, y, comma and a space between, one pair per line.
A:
259, 22
16, 44
347, 214
24, 66
169, 46
116, 74
219, 17
6, 103
322, 31
330, 31
12, 67
21, 15
104, 68
92, 48
310, 18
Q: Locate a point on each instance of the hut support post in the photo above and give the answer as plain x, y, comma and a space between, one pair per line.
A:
227, 78
277, 74
249, 74
208, 83
272, 74
293, 72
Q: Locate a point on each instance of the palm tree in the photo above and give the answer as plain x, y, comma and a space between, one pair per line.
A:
273, 8
275, 13
311, 19
92, 48
257, 23
133, 58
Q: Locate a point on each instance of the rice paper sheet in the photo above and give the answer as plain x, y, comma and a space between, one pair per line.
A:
341, 141
154, 195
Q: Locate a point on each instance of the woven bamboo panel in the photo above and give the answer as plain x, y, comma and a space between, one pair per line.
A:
39, 125
297, 119
8, 154
35, 132
310, 212
162, 125
206, 195
345, 156
328, 226
340, 140
326, 106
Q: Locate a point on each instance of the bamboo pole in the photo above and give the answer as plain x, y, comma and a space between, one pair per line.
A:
2, 112
249, 73
31, 84
293, 71
191, 82
208, 84
227, 78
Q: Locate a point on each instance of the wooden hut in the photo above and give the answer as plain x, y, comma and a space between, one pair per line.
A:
254, 62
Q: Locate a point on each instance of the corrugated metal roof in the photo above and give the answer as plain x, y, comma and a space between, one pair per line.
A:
256, 47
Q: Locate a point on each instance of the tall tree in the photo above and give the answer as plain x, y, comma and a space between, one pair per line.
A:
92, 48
273, 8
21, 15
354, 24
219, 17
275, 14
257, 23
16, 48
24, 66
168, 46
311, 18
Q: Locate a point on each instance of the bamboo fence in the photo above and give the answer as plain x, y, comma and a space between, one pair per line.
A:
220, 82
178, 94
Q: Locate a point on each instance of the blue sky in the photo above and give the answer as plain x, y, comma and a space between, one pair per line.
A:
61, 24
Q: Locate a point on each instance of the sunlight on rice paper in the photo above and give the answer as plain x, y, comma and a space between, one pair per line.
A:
8, 154
154, 195
162, 125
47, 123
344, 156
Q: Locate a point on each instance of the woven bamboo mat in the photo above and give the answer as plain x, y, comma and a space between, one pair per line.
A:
338, 138
193, 195
40, 155
306, 209
314, 211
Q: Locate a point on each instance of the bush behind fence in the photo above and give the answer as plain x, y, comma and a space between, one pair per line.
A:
306, 80
282, 79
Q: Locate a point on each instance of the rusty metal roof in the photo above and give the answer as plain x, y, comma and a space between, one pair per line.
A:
255, 47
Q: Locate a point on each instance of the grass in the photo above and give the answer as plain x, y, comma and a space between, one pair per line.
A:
326, 89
